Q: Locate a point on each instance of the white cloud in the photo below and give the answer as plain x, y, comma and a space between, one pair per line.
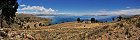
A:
107, 12
43, 10
131, 11
118, 12
127, 12
115, 12
23, 5
128, 7
36, 10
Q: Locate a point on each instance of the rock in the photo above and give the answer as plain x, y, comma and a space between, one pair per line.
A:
30, 37
14, 34
1, 29
3, 34
1, 37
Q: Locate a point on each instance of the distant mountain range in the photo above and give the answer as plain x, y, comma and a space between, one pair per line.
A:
65, 15
76, 15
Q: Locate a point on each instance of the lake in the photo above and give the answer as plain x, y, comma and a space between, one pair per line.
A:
60, 19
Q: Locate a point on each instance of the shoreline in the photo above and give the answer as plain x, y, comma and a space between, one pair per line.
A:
76, 31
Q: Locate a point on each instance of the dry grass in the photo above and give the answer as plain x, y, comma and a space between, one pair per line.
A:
122, 30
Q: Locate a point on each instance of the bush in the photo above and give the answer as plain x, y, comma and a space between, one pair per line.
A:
93, 20
78, 20
49, 24
62, 22
28, 27
40, 24
138, 25
3, 34
120, 18
35, 25
43, 24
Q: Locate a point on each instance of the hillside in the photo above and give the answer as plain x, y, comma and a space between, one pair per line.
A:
126, 29
24, 20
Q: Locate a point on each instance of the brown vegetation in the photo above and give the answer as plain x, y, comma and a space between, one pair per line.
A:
126, 29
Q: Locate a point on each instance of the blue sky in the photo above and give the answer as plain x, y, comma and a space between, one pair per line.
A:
78, 6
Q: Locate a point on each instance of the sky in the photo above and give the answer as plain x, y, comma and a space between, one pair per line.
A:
77, 7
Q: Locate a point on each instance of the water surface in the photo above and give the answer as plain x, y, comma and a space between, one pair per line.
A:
60, 19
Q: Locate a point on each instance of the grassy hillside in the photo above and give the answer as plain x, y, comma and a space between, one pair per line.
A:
126, 29
31, 18
24, 20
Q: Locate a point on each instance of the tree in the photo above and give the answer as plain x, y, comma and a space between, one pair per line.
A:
113, 19
1, 18
92, 20
78, 20
62, 22
9, 8
120, 18
49, 24
105, 21
96, 21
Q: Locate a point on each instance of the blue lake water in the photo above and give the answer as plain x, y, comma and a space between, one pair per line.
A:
60, 19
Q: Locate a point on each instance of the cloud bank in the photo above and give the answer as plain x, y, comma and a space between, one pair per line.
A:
119, 12
35, 10
42, 10
130, 11
22, 5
